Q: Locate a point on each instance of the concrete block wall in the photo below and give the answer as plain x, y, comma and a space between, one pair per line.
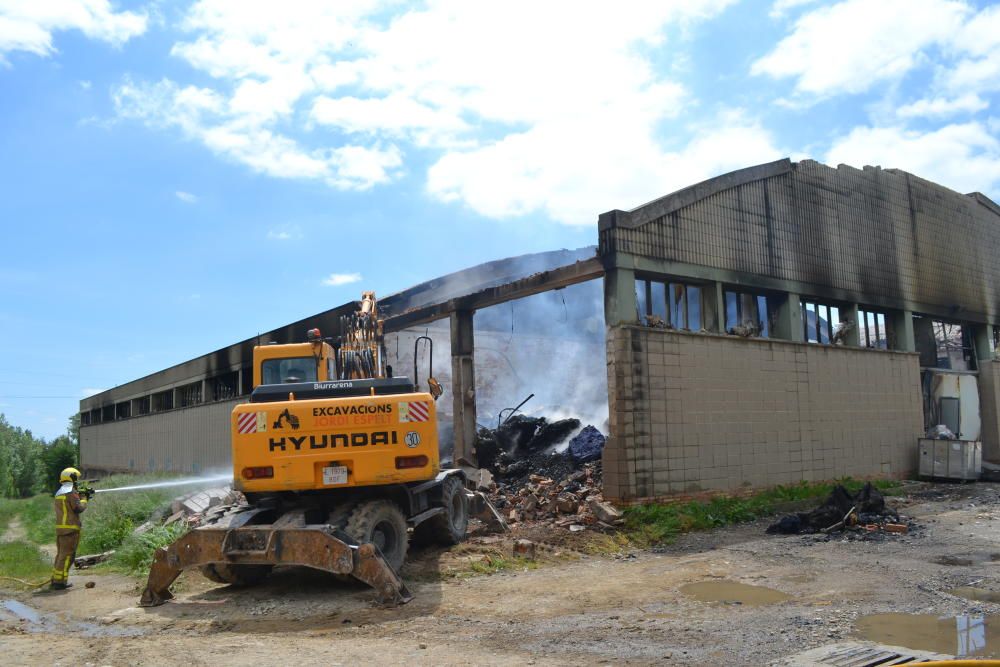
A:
693, 412
989, 408
192, 439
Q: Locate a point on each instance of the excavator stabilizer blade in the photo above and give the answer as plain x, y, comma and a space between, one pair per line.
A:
371, 567
316, 546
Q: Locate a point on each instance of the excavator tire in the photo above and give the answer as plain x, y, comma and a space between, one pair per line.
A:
450, 526
235, 575
382, 523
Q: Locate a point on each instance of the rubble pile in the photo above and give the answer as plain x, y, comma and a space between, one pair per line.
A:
571, 501
862, 514
534, 480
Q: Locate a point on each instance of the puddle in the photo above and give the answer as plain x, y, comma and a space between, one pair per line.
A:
961, 636
977, 594
731, 592
36, 621
22, 611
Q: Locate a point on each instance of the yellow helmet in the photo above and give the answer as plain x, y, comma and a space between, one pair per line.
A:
70, 475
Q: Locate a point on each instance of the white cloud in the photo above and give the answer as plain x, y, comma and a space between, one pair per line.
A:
550, 169
338, 91
186, 197
87, 392
338, 279
85, 84
782, 7
204, 115
942, 106
964, 157
285, 233
852, 45
27, 25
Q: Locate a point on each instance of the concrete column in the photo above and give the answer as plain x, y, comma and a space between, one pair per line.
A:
463, 384
853, 313
789, 320
714, 304
902, 327
619, 297
982, 336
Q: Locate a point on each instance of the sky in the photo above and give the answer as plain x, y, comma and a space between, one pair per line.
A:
178, 176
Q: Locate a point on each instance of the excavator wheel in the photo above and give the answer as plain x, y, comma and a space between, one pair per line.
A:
382, 523
235, 575
450, 526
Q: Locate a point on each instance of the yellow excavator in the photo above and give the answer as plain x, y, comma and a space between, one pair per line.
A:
338, 461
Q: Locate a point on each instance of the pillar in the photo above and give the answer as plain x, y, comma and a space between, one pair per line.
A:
902, 327
463, 380
714, 305
620, 303
789, 320
982, 336
853, 313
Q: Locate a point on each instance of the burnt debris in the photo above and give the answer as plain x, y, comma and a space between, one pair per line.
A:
864, 511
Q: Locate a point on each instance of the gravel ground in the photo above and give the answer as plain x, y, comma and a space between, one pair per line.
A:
627, 608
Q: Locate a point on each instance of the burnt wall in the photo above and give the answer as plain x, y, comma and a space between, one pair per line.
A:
989, 413
881, 237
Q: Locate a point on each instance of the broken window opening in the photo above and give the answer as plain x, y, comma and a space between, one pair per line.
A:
189, 394
95, 416
123, 410
872, 331
108, 413
85, 418
996, 341
246, 382
671, 305
142, 405
945, 345
225, 386
821, 322
163, 400
747, 314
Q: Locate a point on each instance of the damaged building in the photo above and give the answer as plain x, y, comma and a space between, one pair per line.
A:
785, 322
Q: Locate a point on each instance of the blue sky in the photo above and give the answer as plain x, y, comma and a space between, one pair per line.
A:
179, 176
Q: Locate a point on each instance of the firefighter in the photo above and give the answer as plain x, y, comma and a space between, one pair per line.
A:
69, 507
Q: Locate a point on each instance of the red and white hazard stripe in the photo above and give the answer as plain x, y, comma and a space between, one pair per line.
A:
246, 422
419, 411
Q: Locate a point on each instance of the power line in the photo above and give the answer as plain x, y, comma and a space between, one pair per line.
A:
76, 397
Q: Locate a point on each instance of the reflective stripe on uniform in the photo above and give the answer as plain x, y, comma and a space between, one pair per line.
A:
61, 525
65, 511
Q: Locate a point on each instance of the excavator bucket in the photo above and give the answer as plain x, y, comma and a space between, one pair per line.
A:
321, 547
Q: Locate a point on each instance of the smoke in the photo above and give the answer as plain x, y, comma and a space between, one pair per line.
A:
551, 344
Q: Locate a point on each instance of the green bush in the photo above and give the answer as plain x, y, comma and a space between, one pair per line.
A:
135, 554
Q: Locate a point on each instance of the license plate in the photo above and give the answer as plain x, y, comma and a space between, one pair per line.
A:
335, 475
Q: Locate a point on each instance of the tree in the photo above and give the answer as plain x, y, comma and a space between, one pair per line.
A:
57, 456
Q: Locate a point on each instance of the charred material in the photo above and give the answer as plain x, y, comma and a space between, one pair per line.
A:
841, 510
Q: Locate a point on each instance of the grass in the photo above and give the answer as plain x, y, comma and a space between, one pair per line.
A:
23, 561
108, 524
497, 562
647, 525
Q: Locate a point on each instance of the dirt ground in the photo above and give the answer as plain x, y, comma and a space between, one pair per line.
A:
571, 610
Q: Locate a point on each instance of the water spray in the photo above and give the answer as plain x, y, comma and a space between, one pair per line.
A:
190, 481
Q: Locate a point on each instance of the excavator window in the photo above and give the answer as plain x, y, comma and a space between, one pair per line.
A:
296, 369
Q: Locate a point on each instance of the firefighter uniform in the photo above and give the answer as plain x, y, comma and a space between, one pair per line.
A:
68, 506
